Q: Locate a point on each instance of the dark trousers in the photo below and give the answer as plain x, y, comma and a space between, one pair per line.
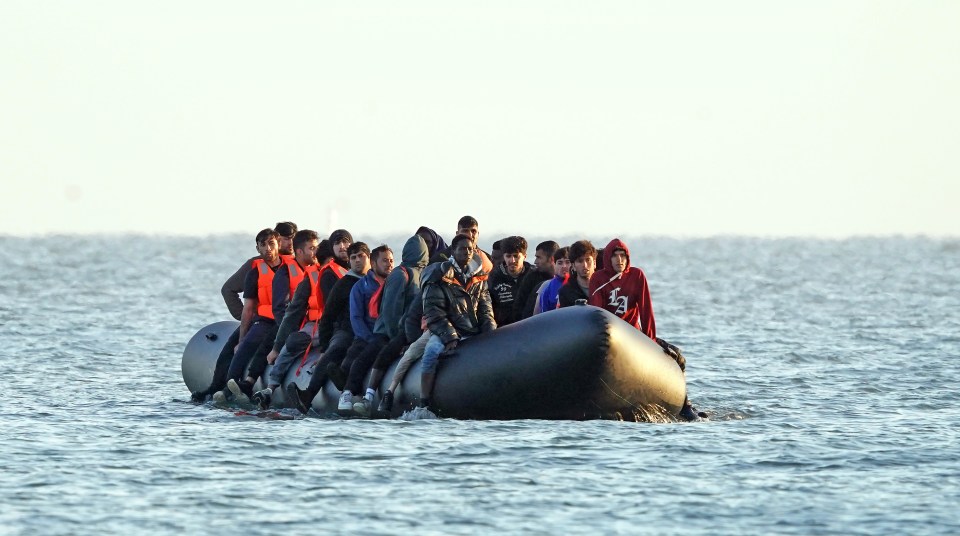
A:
223, 364
335, 353
391, 352
364, 359
248, 348
259, 362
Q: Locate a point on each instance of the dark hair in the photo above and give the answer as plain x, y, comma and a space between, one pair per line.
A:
265, 235
379, 250
285, 228
302, 237
581, 248
561, 253
324, 250
496, 245
358, 247
459, 238
514, 244
467, 221
549, 246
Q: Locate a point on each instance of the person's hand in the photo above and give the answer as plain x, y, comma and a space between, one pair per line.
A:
272, 357
450, 345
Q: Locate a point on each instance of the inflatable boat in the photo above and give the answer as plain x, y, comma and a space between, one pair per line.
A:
576, 363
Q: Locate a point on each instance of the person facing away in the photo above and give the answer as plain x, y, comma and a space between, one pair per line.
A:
257, 318
233, 287
456, 305
622, 289
549, 292
544, 270
505, 280
583, 257
434, 241
335, 331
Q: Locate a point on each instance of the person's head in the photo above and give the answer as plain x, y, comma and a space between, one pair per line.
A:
286, 230
340, 241
619, 260
381, 260
543, 257
463, 248
305, 244
268, 245
496, 254
562, 261
514, 253
467, 225
324, 252
583, 257
359, 255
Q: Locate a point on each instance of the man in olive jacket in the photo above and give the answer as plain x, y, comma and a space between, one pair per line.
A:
456, 305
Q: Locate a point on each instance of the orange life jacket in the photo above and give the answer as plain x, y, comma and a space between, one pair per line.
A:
313, 305
264, 288
296, 274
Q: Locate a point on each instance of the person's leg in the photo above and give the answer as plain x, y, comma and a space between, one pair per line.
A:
334, 354
431, 356
259, 362
339, 375
220, 370
410, 356
364, 360
291, 353
245, 352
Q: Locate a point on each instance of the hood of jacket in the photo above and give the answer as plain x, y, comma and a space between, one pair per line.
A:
616, 243
415, 253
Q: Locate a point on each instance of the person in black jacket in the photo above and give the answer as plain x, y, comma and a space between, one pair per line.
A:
334, 333
544, 269
505, 280
456, 305
584, 258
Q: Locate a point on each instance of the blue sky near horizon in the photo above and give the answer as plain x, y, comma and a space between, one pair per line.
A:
546, 118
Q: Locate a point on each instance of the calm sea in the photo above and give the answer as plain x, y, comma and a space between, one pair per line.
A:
830, 369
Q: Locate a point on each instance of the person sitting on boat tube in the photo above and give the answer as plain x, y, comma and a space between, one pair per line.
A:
583, 257
365, 301
544, 268
257, 319
456, 305
622, 289
549, 292
505, 280
231, 290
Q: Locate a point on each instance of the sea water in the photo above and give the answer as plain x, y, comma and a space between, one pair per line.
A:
829, 369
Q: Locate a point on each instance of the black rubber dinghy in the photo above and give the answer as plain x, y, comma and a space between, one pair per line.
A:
577, 363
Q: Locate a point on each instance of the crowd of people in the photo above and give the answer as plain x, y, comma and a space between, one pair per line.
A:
363, 312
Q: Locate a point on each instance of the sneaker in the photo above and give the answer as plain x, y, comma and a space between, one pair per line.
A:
386, 403
337, 376
346, 401
301, 399
362, 407
220, 397
262, 398
242, 390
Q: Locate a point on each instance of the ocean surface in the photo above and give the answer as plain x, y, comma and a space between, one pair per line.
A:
829, 369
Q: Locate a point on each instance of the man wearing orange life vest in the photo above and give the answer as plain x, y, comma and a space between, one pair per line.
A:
257, 317
297, 280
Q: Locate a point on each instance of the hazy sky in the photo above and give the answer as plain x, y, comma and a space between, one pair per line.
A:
540, 118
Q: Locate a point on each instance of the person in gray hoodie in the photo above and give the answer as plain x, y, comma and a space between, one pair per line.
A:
401, 288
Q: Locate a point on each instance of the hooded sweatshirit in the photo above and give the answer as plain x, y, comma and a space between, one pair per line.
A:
401, 287
627, 296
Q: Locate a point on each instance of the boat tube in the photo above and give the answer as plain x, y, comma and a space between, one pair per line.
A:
576, 363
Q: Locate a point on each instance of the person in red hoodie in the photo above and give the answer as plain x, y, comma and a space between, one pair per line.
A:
622, 289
